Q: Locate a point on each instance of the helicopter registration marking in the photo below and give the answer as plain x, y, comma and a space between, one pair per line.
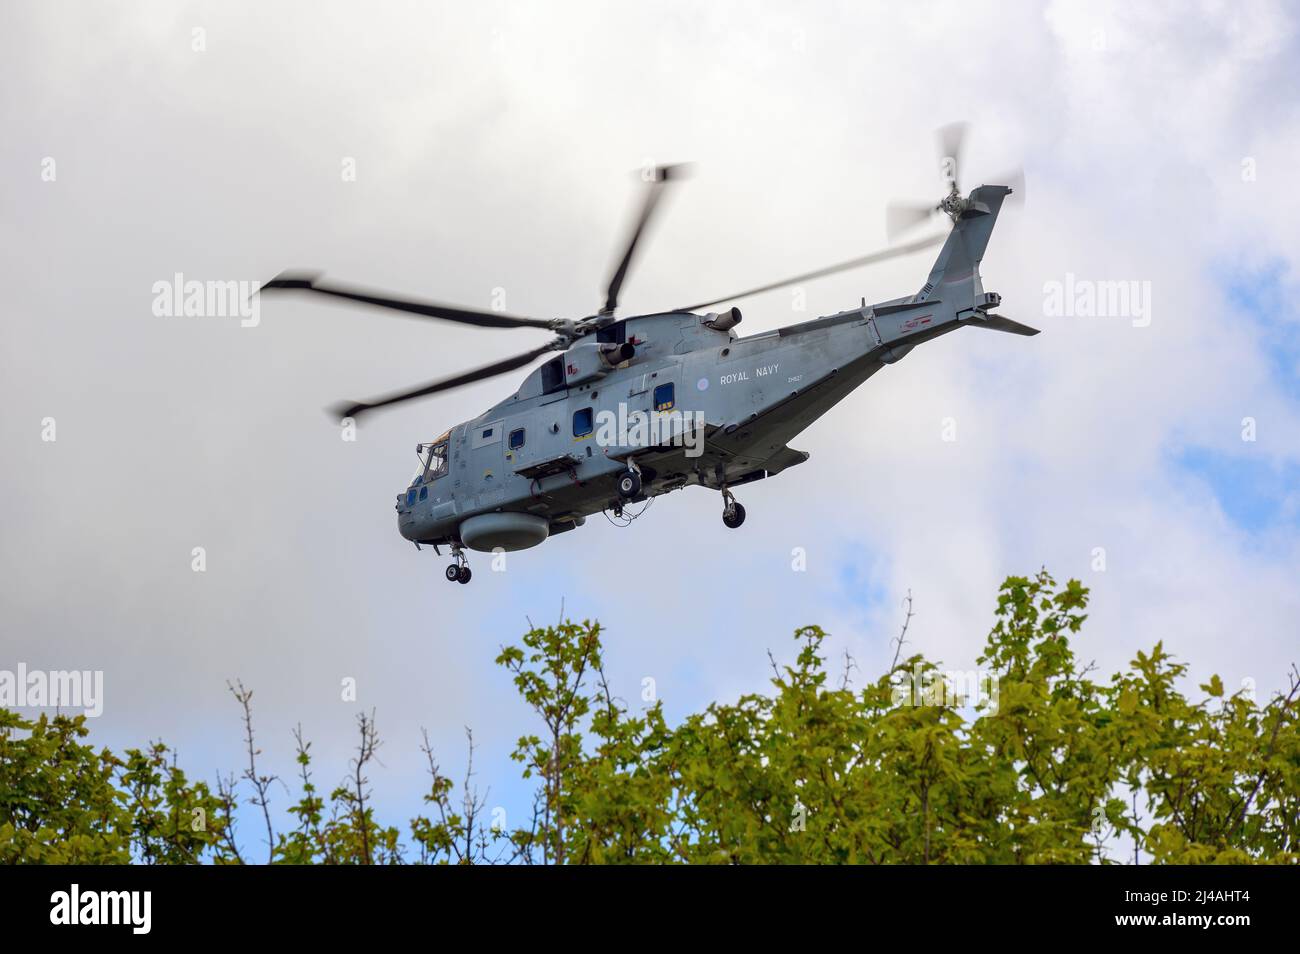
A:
736, 376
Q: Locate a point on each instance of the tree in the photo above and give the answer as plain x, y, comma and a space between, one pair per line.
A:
1030, 760
61, 802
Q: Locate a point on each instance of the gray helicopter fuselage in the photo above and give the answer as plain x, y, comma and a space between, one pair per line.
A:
551, 455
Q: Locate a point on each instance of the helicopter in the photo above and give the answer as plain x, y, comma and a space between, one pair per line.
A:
632, 408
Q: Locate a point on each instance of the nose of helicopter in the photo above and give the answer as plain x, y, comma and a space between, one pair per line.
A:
406, 512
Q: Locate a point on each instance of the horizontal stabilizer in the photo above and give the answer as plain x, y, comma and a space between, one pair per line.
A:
785, 457
998, 323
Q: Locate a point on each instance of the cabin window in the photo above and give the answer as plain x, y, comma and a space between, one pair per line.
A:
583, 422
664, 397
487, 432
424, 493
516, 438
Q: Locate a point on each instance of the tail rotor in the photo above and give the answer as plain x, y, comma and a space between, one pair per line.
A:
901, 216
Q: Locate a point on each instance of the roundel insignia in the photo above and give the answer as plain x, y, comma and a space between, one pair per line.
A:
702, 384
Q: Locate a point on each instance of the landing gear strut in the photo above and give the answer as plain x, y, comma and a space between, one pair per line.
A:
733, 512
459, 571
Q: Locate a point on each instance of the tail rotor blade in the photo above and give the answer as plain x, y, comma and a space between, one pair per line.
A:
952, 139
901, 216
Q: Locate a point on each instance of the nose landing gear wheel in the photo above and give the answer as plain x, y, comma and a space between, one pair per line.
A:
734, 516
458, 572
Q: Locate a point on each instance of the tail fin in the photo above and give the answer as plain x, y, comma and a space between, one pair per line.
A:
955, 278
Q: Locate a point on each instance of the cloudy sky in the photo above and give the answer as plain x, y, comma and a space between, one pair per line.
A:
494, 147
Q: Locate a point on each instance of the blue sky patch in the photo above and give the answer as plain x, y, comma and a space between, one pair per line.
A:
862, 580
1255, 494
1267, 295
1255, 490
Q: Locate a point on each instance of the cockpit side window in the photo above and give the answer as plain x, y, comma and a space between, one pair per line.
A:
433, 461
438, 460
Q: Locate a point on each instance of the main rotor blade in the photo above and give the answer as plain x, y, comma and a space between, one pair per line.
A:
951, 140
308, 281
901, 216
661, 175
446, 384
871, 259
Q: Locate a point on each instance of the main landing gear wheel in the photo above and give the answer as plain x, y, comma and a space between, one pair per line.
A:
733, 511
629, 484
463, 576
453, 573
